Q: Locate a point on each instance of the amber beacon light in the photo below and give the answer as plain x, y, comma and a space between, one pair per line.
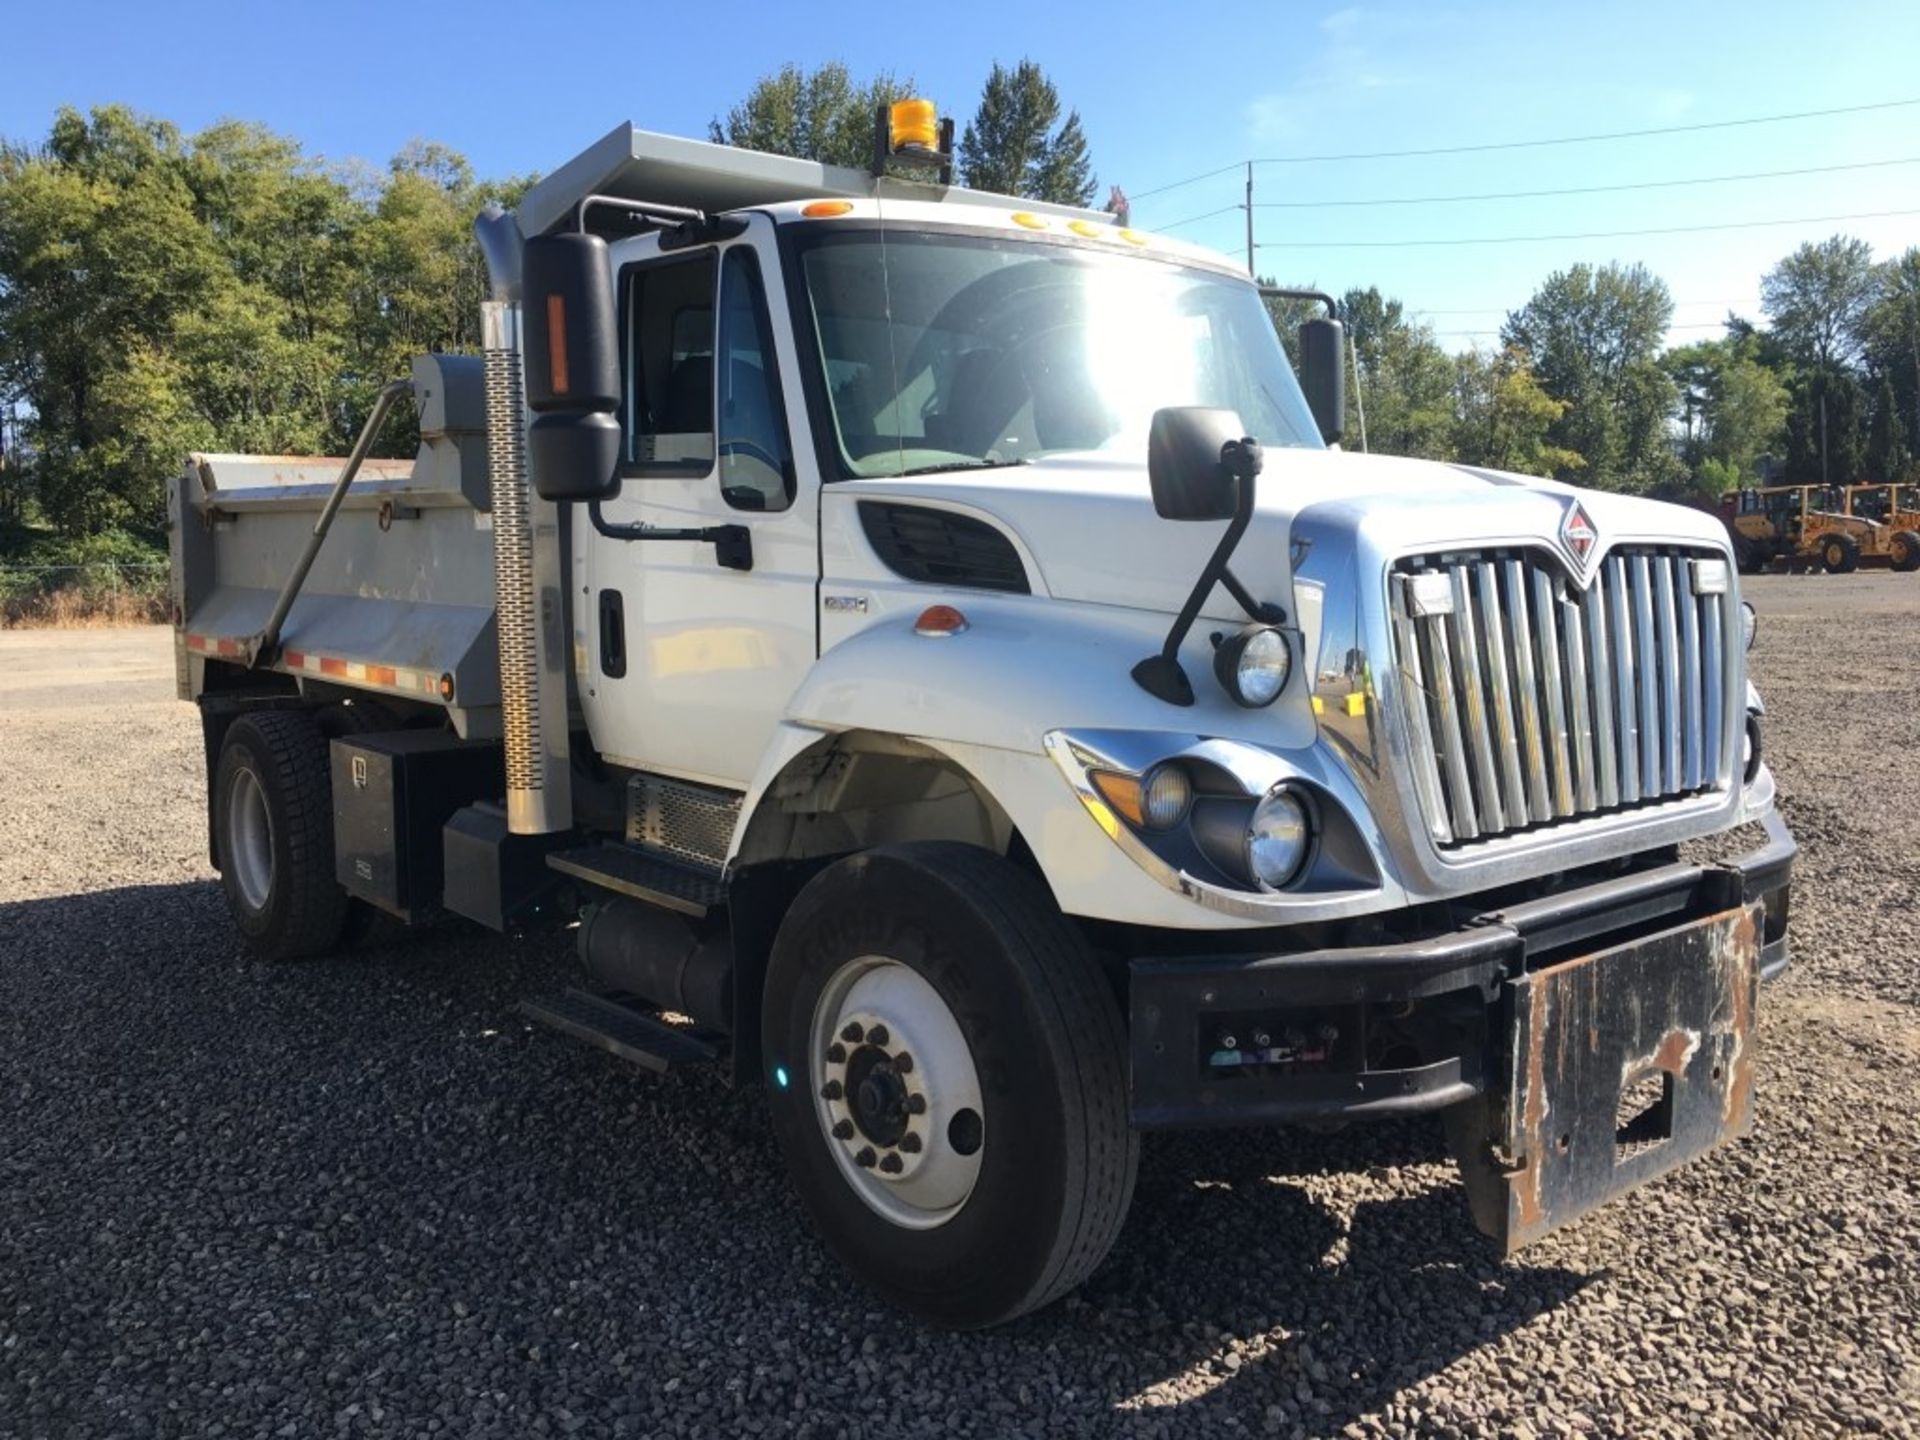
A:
912, 132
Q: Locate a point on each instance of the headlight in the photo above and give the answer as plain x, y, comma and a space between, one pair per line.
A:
1277, 839
1749, 622
1253, 665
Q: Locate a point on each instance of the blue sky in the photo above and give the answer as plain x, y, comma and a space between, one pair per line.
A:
1165, 92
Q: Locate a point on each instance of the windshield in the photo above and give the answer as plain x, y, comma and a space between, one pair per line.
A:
945, 351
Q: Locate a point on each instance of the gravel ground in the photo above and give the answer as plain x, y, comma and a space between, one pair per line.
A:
358, 1197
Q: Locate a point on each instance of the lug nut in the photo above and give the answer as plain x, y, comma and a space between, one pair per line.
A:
910, 1143
890, 1164
853, 1033
836, 1054
843, 1129
832, 1090
916, 1104
878, 1035
865, 1158
903, 1062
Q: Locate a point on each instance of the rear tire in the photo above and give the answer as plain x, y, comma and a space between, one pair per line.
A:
965, 1217
273, 836
1906, 551
1840, 554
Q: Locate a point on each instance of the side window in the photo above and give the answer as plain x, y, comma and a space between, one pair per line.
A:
669, 365
756, 462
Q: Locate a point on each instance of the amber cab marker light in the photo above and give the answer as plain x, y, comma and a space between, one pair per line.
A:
936, 622
826, 209
1122, 792
1030, 221
557, 343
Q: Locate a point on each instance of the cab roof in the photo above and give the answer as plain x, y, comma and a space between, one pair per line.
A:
633, 164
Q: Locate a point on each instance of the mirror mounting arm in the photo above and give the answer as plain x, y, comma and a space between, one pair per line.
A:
732, 544
1162, 676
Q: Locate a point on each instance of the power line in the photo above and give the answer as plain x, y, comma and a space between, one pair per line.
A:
1534, 144
1575, 189
1578, 234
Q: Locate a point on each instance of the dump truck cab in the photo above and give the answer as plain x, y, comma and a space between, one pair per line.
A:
938, 650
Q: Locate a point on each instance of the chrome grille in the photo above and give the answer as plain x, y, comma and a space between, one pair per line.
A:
1530, 702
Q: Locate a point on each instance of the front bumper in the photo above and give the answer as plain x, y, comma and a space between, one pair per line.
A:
1557, 1005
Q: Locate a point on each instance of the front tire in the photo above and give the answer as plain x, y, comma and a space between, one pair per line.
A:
989, 1173
1906, 551
273, 836
1840, 554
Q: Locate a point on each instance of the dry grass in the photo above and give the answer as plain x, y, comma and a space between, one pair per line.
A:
83, 607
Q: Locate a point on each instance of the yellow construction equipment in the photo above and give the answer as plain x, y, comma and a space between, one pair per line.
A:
1808, 525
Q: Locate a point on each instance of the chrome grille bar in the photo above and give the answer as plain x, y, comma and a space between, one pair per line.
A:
1527, 686
1466, 653
1529, 703
1626, 656
1415, 698
1693, 736
1646, 663
1493, 626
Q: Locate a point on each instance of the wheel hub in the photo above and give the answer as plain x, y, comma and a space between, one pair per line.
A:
895, 1082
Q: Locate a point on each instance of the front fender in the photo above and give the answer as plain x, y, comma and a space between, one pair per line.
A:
986, 699
1025, 666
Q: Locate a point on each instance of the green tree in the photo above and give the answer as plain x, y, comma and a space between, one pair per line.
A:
1503, 417
1591, 337
1892, 328
1826, 427
162, 293
816, 114
1404, 378
1887, 454
1733, 408
1817, 299
1018, 144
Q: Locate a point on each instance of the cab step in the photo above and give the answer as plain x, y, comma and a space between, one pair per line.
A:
620, 1029
626, 870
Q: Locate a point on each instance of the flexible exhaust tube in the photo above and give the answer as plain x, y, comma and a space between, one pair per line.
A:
526, 561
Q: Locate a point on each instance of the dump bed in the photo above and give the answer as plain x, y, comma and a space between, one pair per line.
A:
400, 598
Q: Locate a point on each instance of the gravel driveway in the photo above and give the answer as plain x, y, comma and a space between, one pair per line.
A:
358, 1197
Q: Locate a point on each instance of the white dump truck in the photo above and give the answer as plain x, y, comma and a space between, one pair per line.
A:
935, 648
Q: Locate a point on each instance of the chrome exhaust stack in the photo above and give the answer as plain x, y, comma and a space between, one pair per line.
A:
529, 602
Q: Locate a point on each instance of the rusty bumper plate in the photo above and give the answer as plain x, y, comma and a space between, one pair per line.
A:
1619, 1066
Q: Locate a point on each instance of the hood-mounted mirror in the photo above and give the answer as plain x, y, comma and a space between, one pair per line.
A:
1202, 465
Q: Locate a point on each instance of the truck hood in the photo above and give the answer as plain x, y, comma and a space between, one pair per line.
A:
1087, 529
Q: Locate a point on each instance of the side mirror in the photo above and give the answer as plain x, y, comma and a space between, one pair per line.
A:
573, 368
1323, 375
1184, 463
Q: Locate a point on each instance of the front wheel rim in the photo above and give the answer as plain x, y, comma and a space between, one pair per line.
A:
896, 1092
250, 839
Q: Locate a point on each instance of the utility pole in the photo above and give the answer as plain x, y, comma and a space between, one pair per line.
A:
1250, 269
1823, 432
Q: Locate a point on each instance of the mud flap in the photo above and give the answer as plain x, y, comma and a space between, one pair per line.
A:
1619, 1066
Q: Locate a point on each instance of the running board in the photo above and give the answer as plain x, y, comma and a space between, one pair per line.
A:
628, 871
619, 1029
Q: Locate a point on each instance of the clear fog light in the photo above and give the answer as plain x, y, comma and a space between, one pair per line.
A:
1252, 666
1164, 796
1277, 839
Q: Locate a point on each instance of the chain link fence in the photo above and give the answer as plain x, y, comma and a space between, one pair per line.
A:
98, 592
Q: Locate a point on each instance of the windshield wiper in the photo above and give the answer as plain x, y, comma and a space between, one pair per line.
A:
970, 464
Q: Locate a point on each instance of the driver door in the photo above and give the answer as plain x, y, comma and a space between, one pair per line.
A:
688, 666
